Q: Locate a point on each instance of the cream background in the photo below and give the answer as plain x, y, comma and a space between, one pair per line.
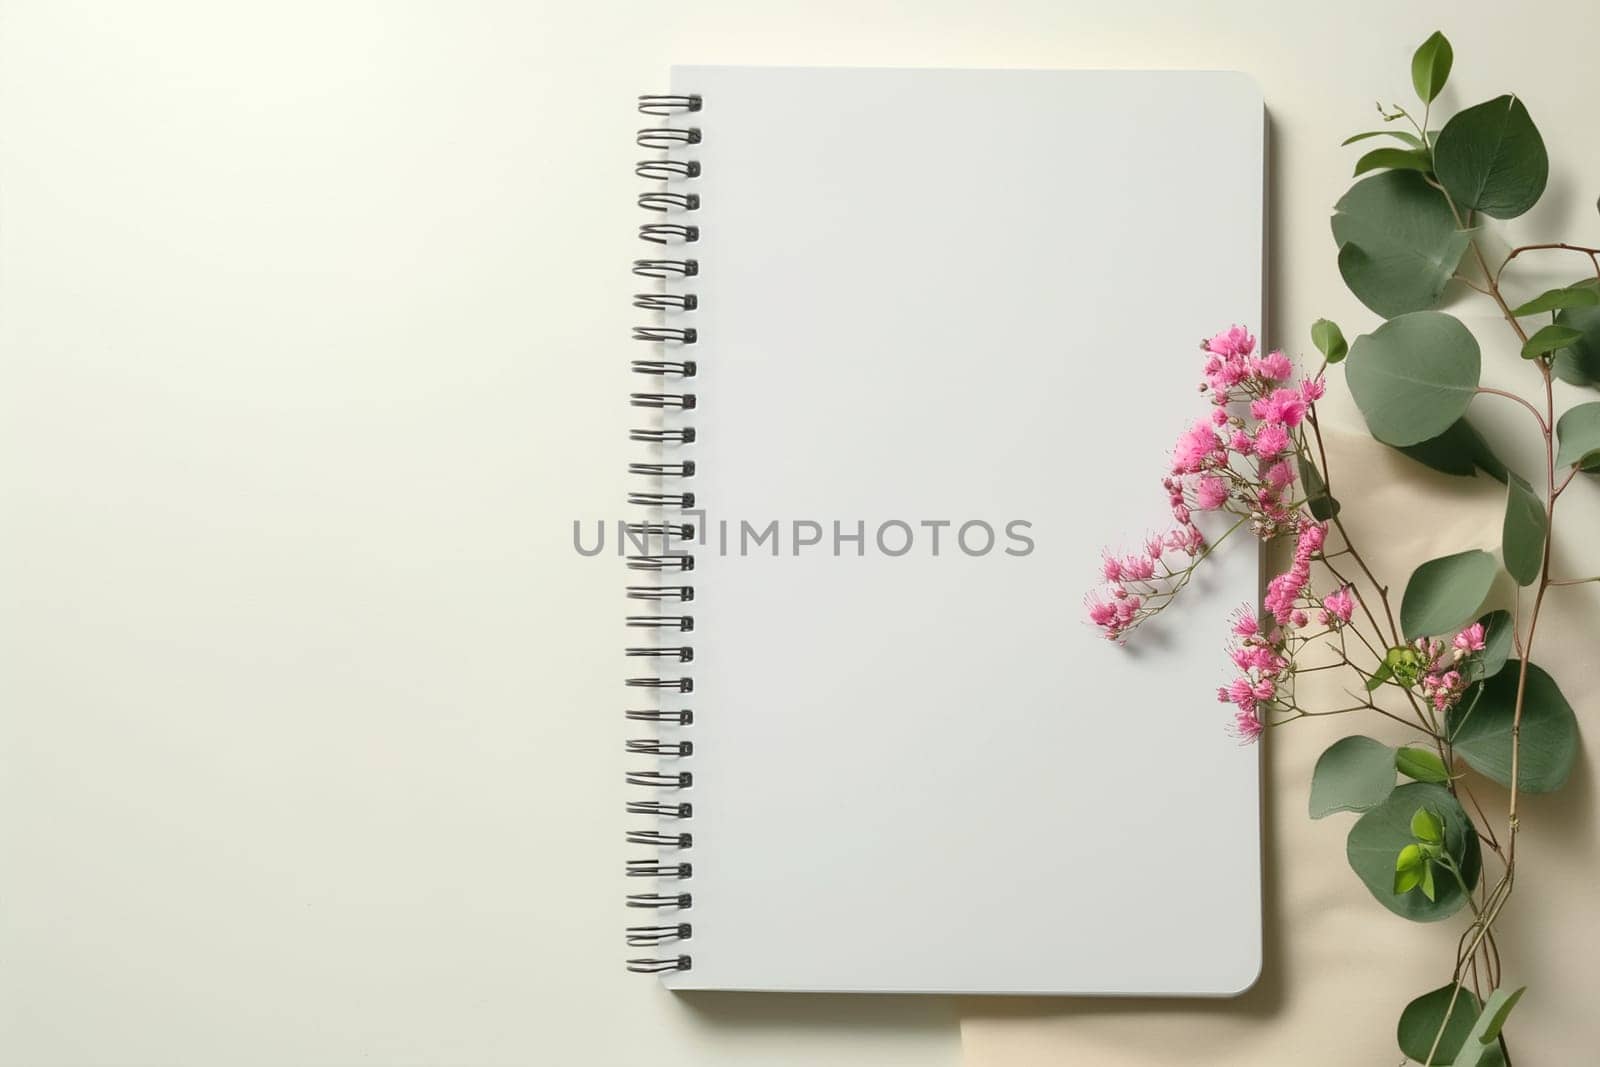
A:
313, 327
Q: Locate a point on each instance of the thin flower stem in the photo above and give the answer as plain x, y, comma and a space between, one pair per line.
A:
1544, 427
1383, 590
1493, 280
1487, 833
1342, 580
1301, 713
1592, 253
1328, 667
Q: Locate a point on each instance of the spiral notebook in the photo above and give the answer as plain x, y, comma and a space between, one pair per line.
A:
914, 346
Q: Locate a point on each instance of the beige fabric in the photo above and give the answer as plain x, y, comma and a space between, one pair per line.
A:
1338, 967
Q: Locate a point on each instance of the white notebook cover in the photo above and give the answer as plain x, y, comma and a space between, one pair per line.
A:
959, 295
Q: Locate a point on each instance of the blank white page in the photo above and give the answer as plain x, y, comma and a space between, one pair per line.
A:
967, 296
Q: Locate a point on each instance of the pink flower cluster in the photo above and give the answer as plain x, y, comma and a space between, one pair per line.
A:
1261, 654
1230, 462
1286, 590
1131, 582
1263, 662
1239, 459
1337, 607
1443, 683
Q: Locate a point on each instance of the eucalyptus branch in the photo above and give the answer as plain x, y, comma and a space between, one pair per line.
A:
1592, 253
1413, 216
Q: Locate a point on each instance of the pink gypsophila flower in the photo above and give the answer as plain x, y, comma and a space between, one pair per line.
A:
1313, 535
1187, 539
1210, 493
1470, 640
1339, 605
1275, 365
1194, 448
1281, 405
1272, 440
1234, 341
1247, 726
1138, 568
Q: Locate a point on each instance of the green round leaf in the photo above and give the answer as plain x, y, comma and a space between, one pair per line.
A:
1578, 431
1354, 774
1400, 135
1581, 295
1430, 66
1321, 503
1522, 534
1420, 764
1496, 1010
1444, 594
1378, 836
1394, 159
1420, 1022
1579, 362
1329, 340
1414, 376
1492, 159
1480, 729
1461, 450
1398, 242
1550, 339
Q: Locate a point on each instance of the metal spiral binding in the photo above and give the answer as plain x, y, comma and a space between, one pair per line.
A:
674, 232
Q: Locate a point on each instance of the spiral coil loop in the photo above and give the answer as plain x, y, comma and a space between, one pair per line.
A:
661, 592
655, 747
663, 470
664, 368
666, 233
657, 542
654, 935
668, 105
666, 268
655, 966
670, 201
666, 301
652, 435
683, 335
658, 869
660, 808
681, 530
667, 136
681, 401
681, 717
662, 170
